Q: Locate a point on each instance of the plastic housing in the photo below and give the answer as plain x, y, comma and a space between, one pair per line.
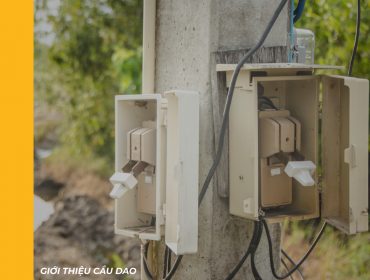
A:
174, 185
343, 176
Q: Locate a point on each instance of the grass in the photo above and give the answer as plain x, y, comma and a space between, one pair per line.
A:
117, 262
337, 256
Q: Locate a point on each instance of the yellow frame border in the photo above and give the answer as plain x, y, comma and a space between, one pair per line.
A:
16, 141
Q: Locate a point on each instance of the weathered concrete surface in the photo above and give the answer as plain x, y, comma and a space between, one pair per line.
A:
187, 33
219, 94
241, 23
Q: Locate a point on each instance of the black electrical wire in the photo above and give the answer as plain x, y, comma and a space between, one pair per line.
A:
222, 137
255, 273
292, 262
299, 10
165, 262
171, 271
286, 268
169, 260
296, 266
249, 250
264, 101
225, 119
229, 97
268, 101
313, 245
357, 35
145, 262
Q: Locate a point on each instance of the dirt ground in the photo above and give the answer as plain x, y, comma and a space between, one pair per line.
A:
80, 231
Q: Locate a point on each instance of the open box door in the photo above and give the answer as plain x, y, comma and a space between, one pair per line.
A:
181, 232
345, 122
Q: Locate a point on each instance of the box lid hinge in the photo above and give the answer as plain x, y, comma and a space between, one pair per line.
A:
164, 106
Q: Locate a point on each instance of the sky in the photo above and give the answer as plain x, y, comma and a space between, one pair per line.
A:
42, 27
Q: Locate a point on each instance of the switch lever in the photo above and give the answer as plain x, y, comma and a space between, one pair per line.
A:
301, 171
122, 182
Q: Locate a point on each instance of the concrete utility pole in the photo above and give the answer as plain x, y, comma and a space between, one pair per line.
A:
191, 38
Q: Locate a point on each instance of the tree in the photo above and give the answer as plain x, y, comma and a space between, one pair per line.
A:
95, 53
334, 24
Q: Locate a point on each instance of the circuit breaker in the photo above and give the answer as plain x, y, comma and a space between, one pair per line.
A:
155, 184
298, 145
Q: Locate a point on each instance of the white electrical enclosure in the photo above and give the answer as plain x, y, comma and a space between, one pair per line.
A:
157, 143
341, 105
182, 172
345, 132
131, 112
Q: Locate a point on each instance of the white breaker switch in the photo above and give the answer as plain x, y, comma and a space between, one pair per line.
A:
279, 139
121, 182
301, 171
285, 121
141, 153
156, 168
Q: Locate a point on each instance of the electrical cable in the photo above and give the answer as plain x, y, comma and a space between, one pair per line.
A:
357, 35
286, 268
292, 262
171, 271
264, 100
169, 260
299, 10
245, 256
230, 96
350, 68
165, 262
262, 106
296, 266
225, 119
313, 245
145, 262
298, 13
255, 273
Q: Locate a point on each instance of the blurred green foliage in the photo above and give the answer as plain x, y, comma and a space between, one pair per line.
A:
334, 25
94, 53
117, 262
337, 256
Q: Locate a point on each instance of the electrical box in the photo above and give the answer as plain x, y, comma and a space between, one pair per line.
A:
298, 145
155, 184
